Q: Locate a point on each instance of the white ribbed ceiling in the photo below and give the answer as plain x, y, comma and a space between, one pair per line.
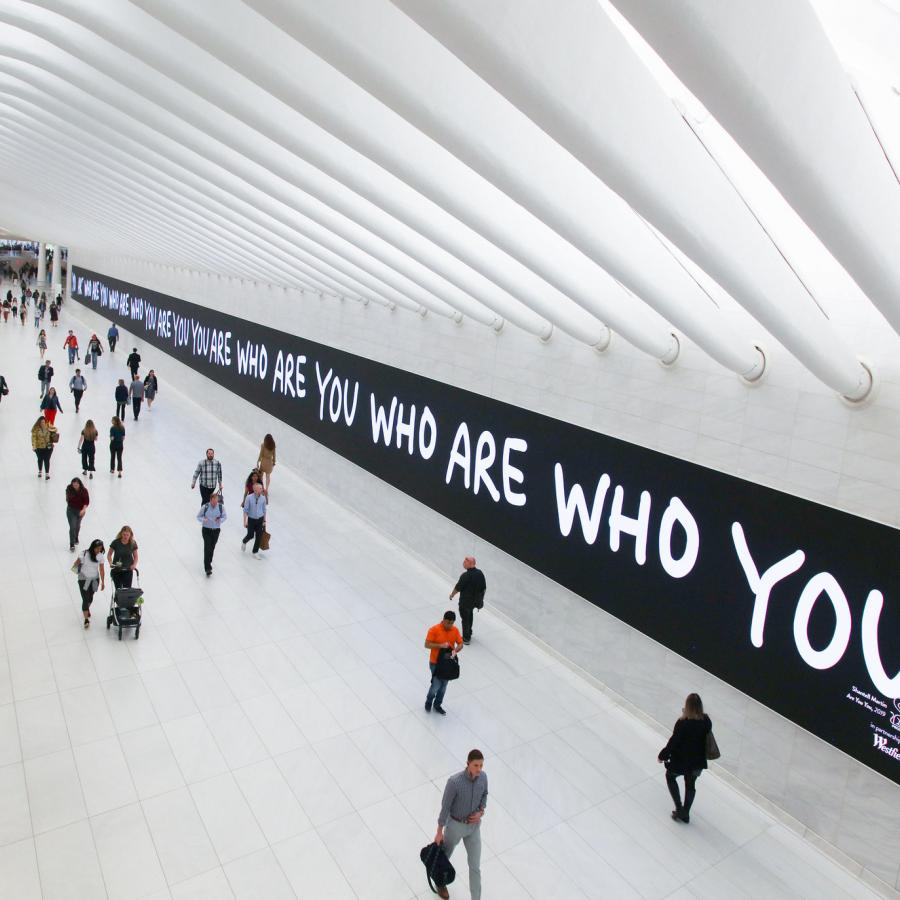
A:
515, 161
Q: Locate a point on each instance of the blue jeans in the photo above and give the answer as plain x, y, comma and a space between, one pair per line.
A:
437, 690
72, 352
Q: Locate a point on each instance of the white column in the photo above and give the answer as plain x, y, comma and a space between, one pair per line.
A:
42, 267
56, 278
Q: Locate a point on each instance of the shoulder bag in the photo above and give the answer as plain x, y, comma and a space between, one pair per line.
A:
712, 748
438, 868
447, 667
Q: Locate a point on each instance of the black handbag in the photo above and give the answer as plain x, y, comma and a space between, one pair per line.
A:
447, 666
438, 869
712, 748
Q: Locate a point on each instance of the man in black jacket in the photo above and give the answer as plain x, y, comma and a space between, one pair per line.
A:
471, 587
133, 362
121, 398
45, 376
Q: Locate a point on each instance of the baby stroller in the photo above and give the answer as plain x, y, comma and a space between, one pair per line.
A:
125, 608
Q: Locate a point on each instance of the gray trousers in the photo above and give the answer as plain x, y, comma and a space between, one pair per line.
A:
470, 835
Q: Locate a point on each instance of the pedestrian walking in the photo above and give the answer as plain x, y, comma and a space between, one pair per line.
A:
121, 395
685, 755
71, 345
123, 557
95, 349
444, 636
42, 342
133, 362
91, 576
77, 502
462, 809
211, 517
42, 444
87, 445
266, 460
51, 405
471, 587
4, 388
54, 316
136, 393
151, 386
45, 376
116, 444
112, 337
254, 519
77, 385
209, 473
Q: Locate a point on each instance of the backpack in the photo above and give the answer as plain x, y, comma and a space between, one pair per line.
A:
438, 869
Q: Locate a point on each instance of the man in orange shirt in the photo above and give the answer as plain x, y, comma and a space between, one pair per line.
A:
443, 636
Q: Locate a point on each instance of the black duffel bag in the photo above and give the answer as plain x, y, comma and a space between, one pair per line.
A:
447, 666
438, 868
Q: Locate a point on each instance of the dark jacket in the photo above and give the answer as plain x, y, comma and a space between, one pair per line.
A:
45, 372
134, 360
121, 393
51, 402
686, 750
471, 587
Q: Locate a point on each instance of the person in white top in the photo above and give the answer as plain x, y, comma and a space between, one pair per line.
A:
91, 569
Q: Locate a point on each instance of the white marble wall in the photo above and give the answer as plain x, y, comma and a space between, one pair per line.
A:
790, 433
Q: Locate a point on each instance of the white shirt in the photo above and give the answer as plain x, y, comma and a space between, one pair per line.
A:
90, 569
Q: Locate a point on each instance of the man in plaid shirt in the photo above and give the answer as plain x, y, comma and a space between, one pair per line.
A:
209, 471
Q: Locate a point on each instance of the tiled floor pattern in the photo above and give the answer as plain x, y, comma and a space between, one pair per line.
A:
265, 737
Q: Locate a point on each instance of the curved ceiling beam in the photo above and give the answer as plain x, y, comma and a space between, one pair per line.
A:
462, 212
771, 77
113, 176
232, 232
125, 83
375, 198
339, 234
577, 78
113, 204
389, 57
121, 220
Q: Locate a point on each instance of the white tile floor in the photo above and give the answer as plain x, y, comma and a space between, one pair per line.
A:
265, 737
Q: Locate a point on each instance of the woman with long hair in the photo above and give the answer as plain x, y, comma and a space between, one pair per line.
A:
51, 405
266, 461
255, 477
151, 386
91, 575
77, 502
123, 557
685, 755
116, 444
42, 444
42, 342
95, 348
87, 444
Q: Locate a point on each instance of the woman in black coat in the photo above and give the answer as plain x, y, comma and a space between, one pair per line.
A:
685, 754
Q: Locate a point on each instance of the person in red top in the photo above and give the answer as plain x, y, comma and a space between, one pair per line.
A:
71, 344
77, 502
443, 636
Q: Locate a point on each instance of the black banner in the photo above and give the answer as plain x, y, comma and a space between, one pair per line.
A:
794, 603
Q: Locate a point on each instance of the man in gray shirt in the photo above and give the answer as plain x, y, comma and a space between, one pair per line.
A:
136, 392
462, 808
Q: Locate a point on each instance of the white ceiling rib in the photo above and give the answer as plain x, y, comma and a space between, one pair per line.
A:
810, 137
503, 161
